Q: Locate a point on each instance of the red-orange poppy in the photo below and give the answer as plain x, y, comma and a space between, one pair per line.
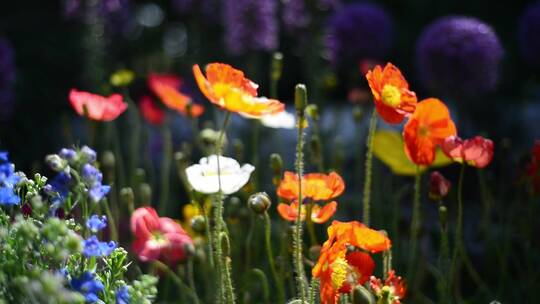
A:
477, 151
97, 107
150, 111
166, 88
316, 186
428, 127
228, 88
393, 99
396, 287
340, 269
319, 214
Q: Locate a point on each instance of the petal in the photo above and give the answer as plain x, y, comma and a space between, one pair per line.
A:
144, 221
363, 264
287, 212
325, 213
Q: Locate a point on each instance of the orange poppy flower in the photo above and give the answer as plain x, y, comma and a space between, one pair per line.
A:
166, 88
340, 269
318, 215
395, 284
316, 186
393, 99
477, 151
227, 87
428, 127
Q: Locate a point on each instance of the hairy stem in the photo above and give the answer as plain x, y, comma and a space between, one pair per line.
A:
368, 167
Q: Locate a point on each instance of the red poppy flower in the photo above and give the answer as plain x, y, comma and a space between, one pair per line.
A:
428, 127
228, 88
340, 269
158, 238
97, 107
316, 186
395, 285
438, 186
477, 151
150, 111
318, 215
393, 99
166, 88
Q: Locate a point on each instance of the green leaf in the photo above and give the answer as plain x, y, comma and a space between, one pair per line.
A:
388, 148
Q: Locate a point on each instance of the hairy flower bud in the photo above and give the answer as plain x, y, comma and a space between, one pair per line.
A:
259, 202
198, 224
300, 99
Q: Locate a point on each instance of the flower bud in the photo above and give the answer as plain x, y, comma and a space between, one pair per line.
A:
198, 224
87, 155
438, 186
276, 66
443, 215
55, 162
276, 163
127, 197
360, 295
108, 161
313, 111
259, 202
122, 78
145, 192
300, 99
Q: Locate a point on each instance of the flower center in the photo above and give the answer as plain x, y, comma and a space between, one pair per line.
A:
391, 96
159, 239
339, 272
423, 131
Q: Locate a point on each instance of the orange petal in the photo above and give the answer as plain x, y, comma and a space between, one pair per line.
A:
322, 215
287, 212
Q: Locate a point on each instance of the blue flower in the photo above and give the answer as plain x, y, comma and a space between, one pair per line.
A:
58, 188
68, 154
95, 223
88, 285
92, 247
92, 177
122, 295
8, 181
97, 193
88, 155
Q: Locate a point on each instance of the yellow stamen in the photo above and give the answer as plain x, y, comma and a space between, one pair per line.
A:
391, 95
339, 272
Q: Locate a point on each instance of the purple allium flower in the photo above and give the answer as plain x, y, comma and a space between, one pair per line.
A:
529, 34
250, 25
92, 247
88, 285
358, 32
295, 15
459, 55
96, 223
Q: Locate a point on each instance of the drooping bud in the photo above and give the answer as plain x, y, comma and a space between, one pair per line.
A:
360, 295
438, 186
198, 224
259, 202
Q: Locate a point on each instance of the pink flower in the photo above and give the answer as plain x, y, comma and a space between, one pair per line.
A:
158, 238
98, 107
438, 186
477, 151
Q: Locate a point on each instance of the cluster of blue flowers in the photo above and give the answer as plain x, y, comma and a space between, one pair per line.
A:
93, 178
8, 181
92, 247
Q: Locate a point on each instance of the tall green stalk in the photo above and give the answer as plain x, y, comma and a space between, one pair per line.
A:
268, 242
368, 167
166, 161
415, 226
300, 104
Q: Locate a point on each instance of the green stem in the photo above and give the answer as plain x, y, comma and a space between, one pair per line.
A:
166, 160
112, 222
177, 280
298, 265
208, 233
415, 226
313, 290
271, 263
255, 151
444, 291
368, 167
264, 283
249, 240
456, 261
310, 225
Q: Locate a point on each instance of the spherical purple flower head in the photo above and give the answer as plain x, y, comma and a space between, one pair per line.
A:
250, 25
459, 56
529, 34
358, 32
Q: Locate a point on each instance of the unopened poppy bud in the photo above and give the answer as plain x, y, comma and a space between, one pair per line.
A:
140, 174
300, 99
209, 136
276, 66
360, 295
198, 224
122, 78
314, 252
145, 191
358, 113
438, 186
55, 162
312, 111
259, 202
276, 163
127, 197
108, 160
443, 215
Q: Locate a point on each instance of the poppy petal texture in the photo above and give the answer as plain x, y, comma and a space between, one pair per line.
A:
319, 214
393, 99
150, 111
427, 127
476, 152
166, 87
96, 106
228, 88
316, 186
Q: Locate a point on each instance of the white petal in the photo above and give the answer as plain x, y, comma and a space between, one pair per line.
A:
284, 120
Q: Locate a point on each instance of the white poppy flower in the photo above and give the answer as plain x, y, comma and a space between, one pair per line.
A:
283, 120
203, 176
